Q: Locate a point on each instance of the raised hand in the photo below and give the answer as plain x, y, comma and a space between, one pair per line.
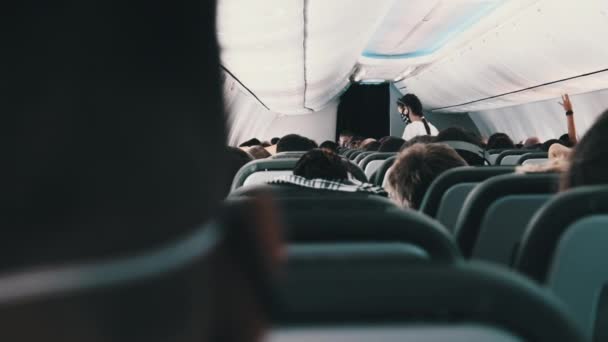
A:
566, 104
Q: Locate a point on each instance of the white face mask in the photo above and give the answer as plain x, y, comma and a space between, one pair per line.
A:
405, 114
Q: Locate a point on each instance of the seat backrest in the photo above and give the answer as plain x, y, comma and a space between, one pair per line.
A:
533, 158
372, 162
492, 155
380, 174
360, 157
501, 207
444, 198
565, 249
354, 154
372, 300
289, 155
331, 221
263, 170
348, 153
511, 155
148, 297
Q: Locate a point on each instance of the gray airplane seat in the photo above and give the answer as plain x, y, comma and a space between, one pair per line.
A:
445, 197
360, 157
348, 153
354, 155
375, 300
533, 158
264, 170
510, 157
378, 177
289, 155
492, 155
372, 162
495, 214
565, 248
355, 219
154, 295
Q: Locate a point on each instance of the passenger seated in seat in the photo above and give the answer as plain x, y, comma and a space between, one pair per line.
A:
295, 143
459, 134
259, 152
366, 142
322, 164
499, 141
251, 142
532, 143
589, 162
372, 147
416, 168
324, 170
274, 140
329, 146
420, 139
391, 144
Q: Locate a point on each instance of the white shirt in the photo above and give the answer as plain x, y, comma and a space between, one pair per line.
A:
416, 128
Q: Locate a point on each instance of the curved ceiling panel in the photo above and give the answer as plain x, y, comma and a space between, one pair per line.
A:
295, 56
548, 49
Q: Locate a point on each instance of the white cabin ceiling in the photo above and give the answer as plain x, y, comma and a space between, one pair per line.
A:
298, 56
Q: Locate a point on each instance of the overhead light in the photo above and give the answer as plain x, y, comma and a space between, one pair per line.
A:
373, 81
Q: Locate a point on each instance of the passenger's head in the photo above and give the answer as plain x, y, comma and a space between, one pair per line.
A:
416, 168
274, 140
329, 146
419, 139
295, 143
410, 103
589, 161
547, 144
251, 142
459, 134
236, 158
565, 140
499, 141
363, 145
391, 144
355, 141
532, 142
259, 152
318, 163
345, 137
372, 147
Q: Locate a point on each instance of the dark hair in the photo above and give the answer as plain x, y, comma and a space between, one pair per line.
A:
547, 144
391, 144
329, 145
417, 167
459, 134
274, 140
372, 147
251, 142
422, 139
500, 141
295, 143
588, 162
411, 101
318, 163
259, 152
565, 140
235, 159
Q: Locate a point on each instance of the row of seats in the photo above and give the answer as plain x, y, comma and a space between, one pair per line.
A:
487, 209
516, 157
